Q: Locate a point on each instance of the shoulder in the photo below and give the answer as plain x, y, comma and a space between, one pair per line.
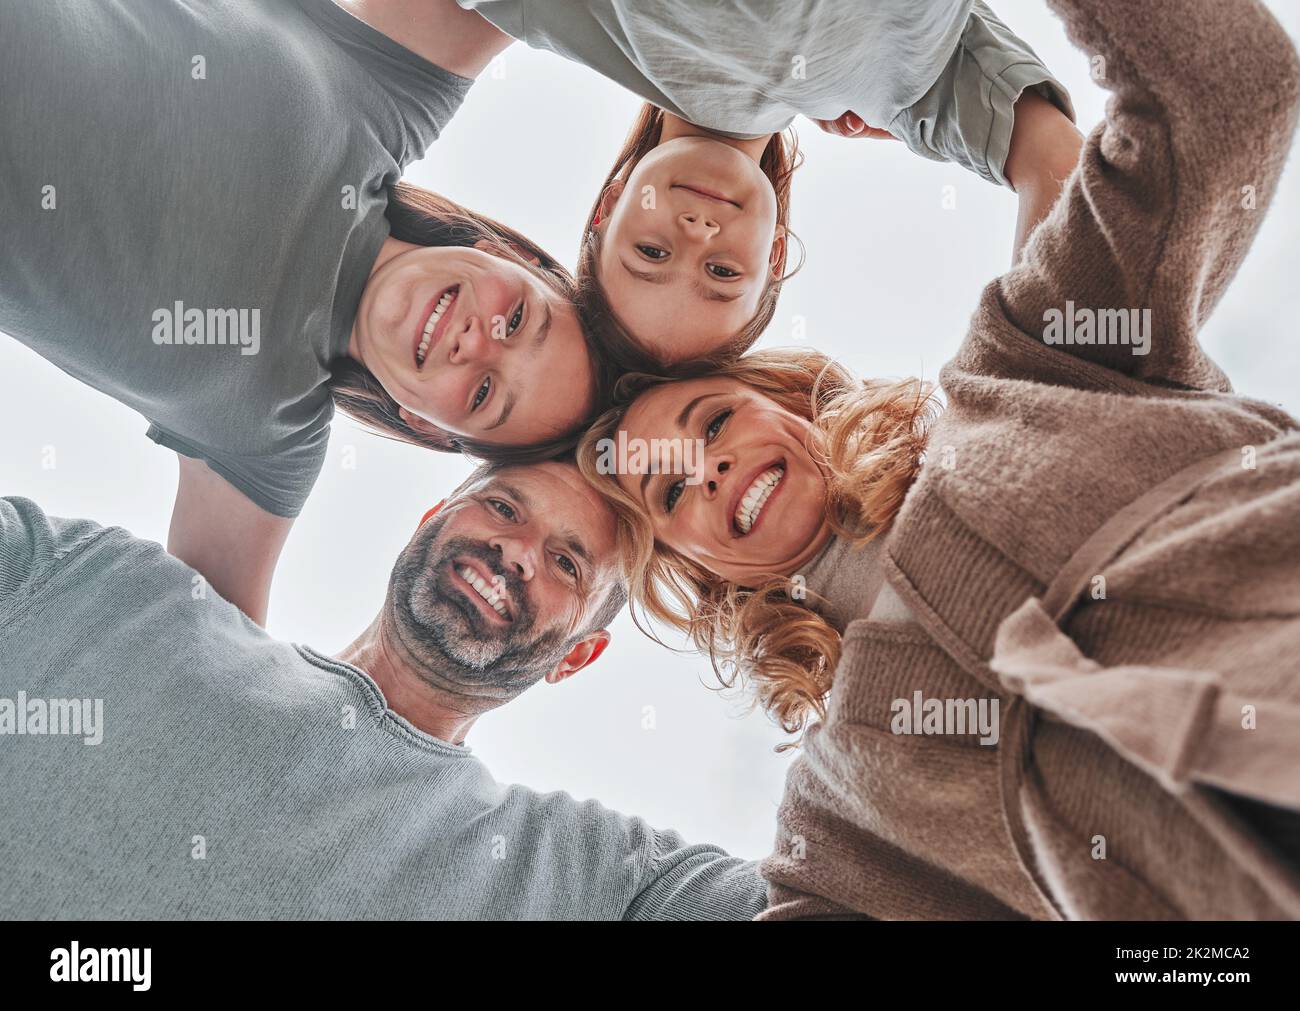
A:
27, 531
35, 548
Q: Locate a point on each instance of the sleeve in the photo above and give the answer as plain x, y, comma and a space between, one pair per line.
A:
829, 864
967, 115
279, 482
699, 882
579, 32
791, 904
1171, 186
31, 545
507, 15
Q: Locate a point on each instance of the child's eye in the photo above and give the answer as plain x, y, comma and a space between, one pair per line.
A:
716, 424
504, 508
718, 270
515, 321
652, 252
482, 393
671, 496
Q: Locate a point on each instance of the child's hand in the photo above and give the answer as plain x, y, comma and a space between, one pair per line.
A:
850, 125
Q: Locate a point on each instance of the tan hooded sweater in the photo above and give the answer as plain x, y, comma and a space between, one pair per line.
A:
1148, 762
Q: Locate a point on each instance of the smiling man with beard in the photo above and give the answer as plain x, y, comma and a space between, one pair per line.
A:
241, 776
511, 581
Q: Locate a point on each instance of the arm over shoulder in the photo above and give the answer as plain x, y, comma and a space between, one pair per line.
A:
233, 542
968, 115
698, 882
1172, 186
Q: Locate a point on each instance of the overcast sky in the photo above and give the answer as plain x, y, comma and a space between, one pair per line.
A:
891, 280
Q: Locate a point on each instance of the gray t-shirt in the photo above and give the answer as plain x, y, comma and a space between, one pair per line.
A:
235, 776
943, 76
191, 199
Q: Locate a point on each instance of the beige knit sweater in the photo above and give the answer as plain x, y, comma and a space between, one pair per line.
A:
1165, 737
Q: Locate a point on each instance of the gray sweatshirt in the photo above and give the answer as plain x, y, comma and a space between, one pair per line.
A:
942, 76
162, 757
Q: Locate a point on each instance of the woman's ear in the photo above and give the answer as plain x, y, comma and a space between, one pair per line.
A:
608, 201
446, 441
778, 253
523, 252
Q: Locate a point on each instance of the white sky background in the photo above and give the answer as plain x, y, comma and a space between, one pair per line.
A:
890, 283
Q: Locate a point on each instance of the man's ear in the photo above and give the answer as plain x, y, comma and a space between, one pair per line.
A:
519, 251
778, 252
608, 201
430, 514
427, 428
582, 654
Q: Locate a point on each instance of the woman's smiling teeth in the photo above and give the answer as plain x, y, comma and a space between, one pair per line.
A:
752, 502
487, 591
443, 305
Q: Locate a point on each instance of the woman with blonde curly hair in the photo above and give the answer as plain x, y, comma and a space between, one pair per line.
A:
1065, 681
837, 453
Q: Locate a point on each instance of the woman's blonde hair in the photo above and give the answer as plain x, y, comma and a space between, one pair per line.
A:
868, 436
780, 158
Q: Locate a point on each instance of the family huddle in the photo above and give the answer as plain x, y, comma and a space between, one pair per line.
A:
1034, 628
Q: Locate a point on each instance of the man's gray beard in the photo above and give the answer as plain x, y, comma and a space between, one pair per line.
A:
450, 640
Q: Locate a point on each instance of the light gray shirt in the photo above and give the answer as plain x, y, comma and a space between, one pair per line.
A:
192, 197
229, 775
846, 582
943, 76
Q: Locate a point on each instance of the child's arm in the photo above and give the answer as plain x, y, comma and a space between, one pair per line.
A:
970, 113
1170, 189
233, 542
1044, 150
996, 110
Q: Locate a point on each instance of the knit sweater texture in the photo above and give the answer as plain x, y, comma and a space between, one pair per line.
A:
1149, 760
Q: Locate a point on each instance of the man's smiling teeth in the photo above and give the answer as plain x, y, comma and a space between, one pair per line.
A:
751, 504
485, 590
438, 310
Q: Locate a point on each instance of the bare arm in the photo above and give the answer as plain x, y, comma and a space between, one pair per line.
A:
231, 541
1045, 147
1044, 150
458, 40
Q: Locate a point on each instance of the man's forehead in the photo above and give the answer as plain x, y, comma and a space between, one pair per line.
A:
556, 492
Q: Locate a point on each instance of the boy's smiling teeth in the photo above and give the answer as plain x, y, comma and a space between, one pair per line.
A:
485, 590
448, 297
752, 502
